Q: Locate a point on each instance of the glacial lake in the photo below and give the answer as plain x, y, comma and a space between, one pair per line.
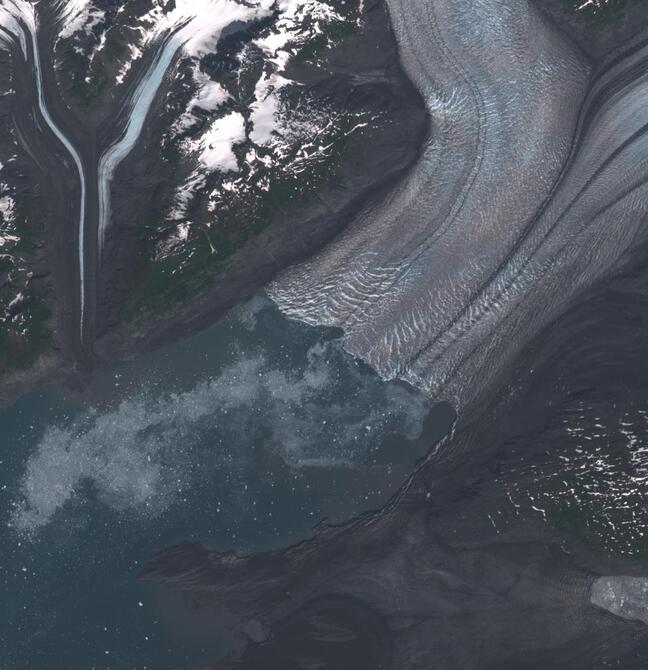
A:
243, 437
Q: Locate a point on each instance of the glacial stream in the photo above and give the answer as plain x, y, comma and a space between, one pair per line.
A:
243, 438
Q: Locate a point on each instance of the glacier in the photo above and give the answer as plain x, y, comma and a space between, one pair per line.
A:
534, 155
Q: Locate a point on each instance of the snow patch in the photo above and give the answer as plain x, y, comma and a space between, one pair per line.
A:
216, 145
78, 15
215, 152
195, 26
210, 95
273, 125
287, 35
7, 209
15, 16
594, 4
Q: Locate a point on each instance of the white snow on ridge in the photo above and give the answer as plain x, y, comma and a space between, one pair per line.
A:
193, 26
135, 53
265, 109
216, 145
215, 152
196, 25
77, 15
7, 211
285, 38
210, 95
16, 16
595, 4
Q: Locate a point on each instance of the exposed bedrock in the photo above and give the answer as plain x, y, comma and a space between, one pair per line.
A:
532, 160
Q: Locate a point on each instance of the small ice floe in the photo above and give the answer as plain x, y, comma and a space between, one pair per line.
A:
593, 4
625, 597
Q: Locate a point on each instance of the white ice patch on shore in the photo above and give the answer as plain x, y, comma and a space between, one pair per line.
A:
625, 597
141, 455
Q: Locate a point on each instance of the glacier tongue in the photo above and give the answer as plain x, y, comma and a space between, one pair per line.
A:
503, 91
507, 215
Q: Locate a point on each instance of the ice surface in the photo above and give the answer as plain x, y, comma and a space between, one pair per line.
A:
505, 216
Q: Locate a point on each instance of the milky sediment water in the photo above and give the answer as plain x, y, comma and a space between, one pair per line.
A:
244, 438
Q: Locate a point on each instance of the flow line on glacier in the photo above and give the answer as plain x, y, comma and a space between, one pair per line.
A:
19, 16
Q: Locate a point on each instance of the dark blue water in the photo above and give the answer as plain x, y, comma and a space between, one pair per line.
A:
243, 437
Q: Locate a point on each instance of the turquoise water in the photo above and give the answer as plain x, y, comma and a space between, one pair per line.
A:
243, 437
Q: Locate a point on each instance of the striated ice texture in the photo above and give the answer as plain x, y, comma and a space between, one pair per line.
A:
531, 163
